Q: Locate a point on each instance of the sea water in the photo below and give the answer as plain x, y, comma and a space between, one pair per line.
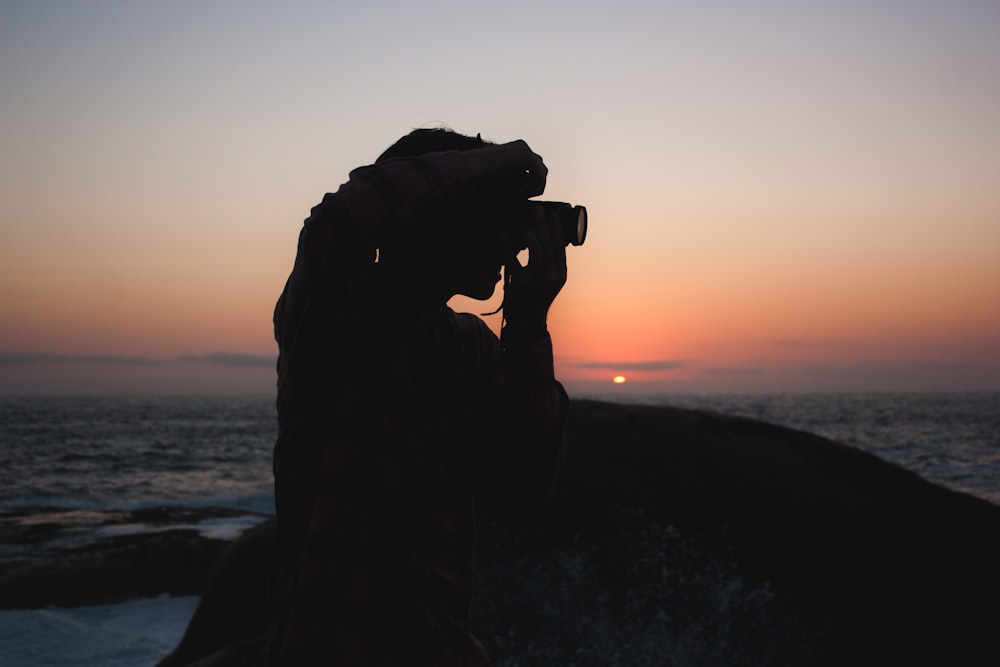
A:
107, 453
99, 452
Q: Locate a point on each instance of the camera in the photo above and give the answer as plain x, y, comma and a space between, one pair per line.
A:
572, 219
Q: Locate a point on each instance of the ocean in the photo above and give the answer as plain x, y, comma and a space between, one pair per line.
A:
79, 458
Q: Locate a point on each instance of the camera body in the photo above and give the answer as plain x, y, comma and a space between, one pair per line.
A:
572, 220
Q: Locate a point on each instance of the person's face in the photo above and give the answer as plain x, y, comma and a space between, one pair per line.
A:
478, 254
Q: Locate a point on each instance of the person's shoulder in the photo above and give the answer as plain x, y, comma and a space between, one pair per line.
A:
467, 323
475, 337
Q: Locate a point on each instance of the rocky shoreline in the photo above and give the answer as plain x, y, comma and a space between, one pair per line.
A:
72, 557
675, 532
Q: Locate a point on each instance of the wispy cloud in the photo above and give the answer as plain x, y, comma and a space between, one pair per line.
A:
889, 367
738, 371
8, 357
658, 365
798, 342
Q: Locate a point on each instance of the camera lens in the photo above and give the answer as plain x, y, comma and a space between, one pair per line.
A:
572, 221
575, 225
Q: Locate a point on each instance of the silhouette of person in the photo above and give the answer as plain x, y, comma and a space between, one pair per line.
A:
398, 416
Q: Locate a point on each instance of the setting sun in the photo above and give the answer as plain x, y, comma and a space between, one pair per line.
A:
619, 379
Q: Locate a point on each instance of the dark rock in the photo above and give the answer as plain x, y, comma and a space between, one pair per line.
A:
61, 557
113, 570
228, 624
901, 568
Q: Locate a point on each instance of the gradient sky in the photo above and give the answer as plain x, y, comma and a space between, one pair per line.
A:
784, 196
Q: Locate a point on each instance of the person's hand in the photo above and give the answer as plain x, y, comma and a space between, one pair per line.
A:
512, 168
531, 289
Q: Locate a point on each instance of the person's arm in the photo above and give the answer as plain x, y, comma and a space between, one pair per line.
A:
387, 195
535, 407
524, 466
384, 195
520, 448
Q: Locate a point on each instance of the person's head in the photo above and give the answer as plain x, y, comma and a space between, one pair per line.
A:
461, 250
431, 140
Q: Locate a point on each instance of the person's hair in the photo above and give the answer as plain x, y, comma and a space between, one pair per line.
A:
431, 140
411, 242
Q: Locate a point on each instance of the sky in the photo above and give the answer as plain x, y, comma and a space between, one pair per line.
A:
783, 196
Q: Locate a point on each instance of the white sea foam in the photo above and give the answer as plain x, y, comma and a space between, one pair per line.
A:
220, 528
228, 528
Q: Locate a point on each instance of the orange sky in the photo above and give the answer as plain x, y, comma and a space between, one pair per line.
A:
793, 198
